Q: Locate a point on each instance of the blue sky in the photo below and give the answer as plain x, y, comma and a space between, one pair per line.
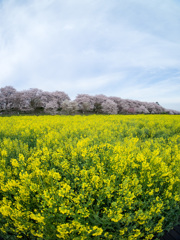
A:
124, 48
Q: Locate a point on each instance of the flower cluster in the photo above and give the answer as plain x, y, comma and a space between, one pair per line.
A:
89, 177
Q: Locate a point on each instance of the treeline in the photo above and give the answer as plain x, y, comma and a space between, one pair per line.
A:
35, 101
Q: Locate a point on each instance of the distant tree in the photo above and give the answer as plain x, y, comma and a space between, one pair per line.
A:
141, 109
154, 108
119, 103
7, 95
125, 106
109, 107
51, 107
171, 111
31, 100
98, 100
18, 101
59, 97
52, 101
85, 103
159, 109
69, 107
46, 97
132, 110
34, 100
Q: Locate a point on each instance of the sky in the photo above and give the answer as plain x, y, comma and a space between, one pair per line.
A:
123, 48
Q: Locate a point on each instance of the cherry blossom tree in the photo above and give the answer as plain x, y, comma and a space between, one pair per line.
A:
98, 100
69, 107
31, 100
154, 108
141, 109
119, 103
18, 101
59, 97
109, 107
52, 101
7, 95
51, 107
35, 100
85, 103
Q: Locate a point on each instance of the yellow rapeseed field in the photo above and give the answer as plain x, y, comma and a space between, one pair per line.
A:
89, 177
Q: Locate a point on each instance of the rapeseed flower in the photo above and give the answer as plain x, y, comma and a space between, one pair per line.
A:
89, 177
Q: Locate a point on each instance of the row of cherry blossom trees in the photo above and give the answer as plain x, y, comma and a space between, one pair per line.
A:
37, 101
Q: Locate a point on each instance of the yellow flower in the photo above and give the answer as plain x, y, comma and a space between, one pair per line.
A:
14, 163
98, 231
151, 192
37, 217
177, 198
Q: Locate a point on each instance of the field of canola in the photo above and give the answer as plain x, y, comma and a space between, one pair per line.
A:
89, 177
